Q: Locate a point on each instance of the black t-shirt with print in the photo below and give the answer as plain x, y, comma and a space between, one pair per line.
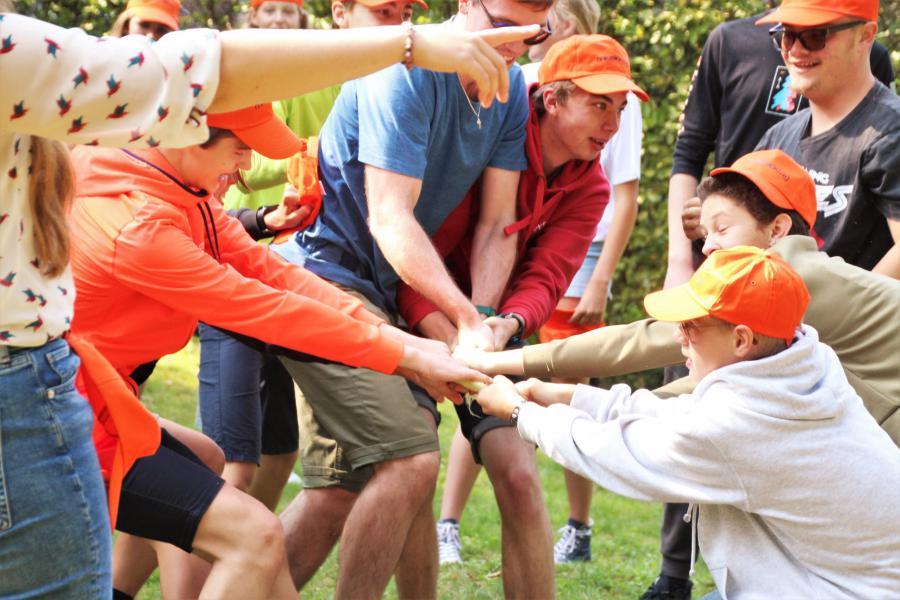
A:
740, 90
856, 168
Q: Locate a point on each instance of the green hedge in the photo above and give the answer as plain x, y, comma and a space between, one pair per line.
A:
664, 39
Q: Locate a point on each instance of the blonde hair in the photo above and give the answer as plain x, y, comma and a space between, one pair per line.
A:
584, 13
49, 197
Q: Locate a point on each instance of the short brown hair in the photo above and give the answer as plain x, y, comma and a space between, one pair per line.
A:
561, 89
744, 192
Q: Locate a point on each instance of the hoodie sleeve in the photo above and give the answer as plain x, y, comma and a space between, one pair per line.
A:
287, 305
126, 92
606, 352
635, 445
553, 256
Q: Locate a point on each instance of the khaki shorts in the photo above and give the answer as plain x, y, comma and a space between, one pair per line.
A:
353, 418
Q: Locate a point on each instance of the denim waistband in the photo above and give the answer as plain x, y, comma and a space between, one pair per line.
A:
16, 355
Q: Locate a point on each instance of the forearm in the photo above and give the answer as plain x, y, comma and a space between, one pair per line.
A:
624, 217
409, 250
681, 187
889, 265
348, 55
493, 258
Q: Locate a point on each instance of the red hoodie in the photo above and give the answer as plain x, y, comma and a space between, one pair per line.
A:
556, 224
151, 257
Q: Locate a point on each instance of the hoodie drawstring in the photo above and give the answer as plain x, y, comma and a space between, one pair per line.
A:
693, 510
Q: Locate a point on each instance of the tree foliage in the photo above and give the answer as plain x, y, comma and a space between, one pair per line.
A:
664, 39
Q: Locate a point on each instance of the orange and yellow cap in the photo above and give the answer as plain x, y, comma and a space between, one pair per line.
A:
810, 13
741, 285
156, 11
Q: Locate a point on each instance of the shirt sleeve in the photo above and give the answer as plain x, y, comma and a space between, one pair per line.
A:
126, 92
286, 306
880, 173
701, 117
395, 108
622, 158
510, 152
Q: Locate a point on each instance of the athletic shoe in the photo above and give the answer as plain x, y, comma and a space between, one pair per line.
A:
668, 588
574, 543
448, 541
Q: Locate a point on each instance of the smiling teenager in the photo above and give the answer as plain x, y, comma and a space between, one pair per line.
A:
849, 138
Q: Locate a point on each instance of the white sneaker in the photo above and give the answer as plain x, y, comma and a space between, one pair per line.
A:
448, 542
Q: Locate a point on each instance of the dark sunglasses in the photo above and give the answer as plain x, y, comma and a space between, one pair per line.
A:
534, 40
811, 39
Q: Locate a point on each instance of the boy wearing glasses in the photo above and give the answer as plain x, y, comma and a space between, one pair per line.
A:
849, 138
798, 488
397, 155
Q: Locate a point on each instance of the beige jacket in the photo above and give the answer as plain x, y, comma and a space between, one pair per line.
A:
854, 311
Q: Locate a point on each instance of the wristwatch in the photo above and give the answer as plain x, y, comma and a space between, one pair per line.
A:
514, 415
519, 319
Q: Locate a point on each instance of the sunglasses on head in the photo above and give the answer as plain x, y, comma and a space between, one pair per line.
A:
534, 40
811, 39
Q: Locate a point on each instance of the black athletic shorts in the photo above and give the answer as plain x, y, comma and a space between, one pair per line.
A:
165, 495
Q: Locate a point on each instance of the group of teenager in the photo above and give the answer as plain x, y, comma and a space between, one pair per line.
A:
454, 201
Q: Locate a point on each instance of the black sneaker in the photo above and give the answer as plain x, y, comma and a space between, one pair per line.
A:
574, 544
668, 588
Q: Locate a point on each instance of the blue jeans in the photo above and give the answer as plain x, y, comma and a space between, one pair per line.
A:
246, 399
55, 539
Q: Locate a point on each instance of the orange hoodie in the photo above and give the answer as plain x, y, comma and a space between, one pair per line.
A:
152, 256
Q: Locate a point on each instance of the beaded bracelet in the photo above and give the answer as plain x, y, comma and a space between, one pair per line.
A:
408, 46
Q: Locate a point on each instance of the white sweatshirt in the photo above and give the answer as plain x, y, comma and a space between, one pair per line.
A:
798, 487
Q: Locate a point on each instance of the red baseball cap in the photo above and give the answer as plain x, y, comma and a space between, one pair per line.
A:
156, 11
373, 3
809, 13
741, 285
781, 180
259, 128
596, 63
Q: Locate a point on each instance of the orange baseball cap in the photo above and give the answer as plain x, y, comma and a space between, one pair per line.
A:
373, 3
258, 3
809, 13
596, 63
156, 11
741, 285
259, 128
781, 180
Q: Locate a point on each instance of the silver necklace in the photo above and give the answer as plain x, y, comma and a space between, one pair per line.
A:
477, 113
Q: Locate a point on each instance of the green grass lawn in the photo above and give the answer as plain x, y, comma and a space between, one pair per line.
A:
625, 541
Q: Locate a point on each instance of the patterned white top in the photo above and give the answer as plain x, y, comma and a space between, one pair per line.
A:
66, 85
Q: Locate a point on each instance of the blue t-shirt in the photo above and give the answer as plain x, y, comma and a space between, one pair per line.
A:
416, 123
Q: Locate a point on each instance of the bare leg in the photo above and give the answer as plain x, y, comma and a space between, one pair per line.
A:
377, 527
181, 575
313, 522
245, 544
239, 474
134, 560
417, 569
200, 444
271, 477
527, 542
462, 472
580, 491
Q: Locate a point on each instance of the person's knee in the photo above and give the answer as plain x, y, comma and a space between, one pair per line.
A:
416, 475
517, 484
261, 543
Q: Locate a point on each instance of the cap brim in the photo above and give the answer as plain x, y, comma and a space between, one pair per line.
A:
675, 304
148, 13
372, 3
610, 83
272, 139
801, 16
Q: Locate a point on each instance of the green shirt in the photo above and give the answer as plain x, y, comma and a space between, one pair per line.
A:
305, 115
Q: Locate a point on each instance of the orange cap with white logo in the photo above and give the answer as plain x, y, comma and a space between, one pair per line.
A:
743, 285
810, 13
156, 11
596, 63
781, 180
